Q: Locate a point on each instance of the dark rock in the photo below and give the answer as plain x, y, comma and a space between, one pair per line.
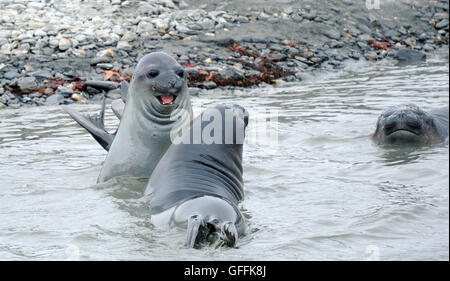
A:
206, 24
106, 66
366, 37
423, 36
310, 16
392, 34
442, 24
48, 91
402, 31
102, 85
93, 91
362, 45
9, 99
11, 75
304, 60
279, 57
98, 60
64, 91
35, 95
42, 74
67, 101
365, 29
441, 16
26, 99
355, 55
408, 55
371, 56
47, 51
27, 84
336, 44
209, 85
428, 48
332, 33
39, 101
55, 99
232, 73
297, 18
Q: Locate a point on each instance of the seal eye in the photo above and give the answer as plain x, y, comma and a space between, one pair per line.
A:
153, 73
180, 73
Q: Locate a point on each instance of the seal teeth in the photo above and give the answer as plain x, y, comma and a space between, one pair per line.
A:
167, 99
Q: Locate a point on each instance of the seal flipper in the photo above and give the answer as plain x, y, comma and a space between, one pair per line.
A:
94, 125
124, 91
229, 234
200, 231
197, 231
118, 105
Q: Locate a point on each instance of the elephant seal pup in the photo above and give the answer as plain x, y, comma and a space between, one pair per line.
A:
157, 103
410, 124
198, 183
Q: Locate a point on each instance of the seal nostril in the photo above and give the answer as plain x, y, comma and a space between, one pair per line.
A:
173, 83
153, 73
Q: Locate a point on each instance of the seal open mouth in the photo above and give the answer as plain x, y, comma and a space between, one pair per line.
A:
166, 99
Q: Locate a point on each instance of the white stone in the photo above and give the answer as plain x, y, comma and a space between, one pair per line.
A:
64, 44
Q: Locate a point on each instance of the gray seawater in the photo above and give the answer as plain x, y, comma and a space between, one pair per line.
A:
324, 192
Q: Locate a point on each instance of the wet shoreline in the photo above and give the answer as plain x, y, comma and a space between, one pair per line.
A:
48, 54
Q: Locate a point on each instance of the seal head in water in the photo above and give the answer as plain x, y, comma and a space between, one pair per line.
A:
411, 124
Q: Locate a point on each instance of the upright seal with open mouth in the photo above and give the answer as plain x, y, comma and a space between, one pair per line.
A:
157, 104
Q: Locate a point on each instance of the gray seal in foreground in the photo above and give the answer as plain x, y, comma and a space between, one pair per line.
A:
198, 183
157, 104
410, 124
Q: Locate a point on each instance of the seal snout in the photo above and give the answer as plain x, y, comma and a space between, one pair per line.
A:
167, 88
166, 93
403, 121
409, 123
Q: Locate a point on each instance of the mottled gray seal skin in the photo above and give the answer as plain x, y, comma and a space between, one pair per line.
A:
157, 103
198, 183
409, 124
